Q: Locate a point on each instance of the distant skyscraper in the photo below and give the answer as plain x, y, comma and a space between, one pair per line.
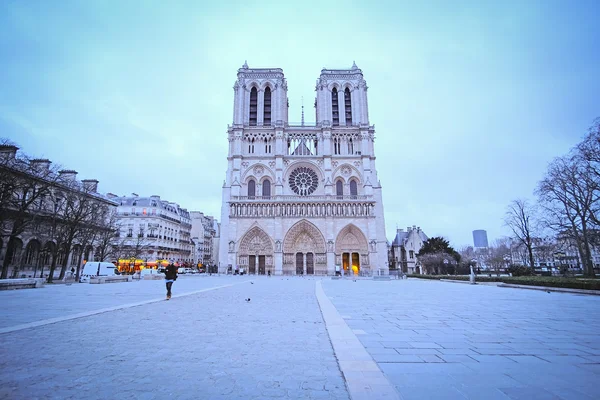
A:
480, 238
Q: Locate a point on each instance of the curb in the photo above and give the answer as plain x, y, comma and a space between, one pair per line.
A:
551, 289
364, 379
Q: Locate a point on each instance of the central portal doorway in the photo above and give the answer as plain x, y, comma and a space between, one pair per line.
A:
310, 264
299, 264
251, 264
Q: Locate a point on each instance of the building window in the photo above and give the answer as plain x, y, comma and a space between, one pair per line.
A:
267, 107
266, 189
411, 254
253, 106
251, 146
251, 188
339, 189
353, 189
335, 111
336, 146
348, 106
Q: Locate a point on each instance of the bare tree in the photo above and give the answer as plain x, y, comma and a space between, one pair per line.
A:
107, 237
520, 219
498, 255
23, 189
567, 194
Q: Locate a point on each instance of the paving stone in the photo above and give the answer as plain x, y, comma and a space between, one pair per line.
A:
491, 338
211, 345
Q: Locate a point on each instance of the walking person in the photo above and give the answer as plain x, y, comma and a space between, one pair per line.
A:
170, 277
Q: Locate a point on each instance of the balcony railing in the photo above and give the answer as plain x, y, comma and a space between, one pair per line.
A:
286, 198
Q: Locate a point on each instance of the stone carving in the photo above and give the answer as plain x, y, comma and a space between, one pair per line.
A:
351, 239
320, 163
278, 246
271, 164
334, 164
245, 164
258, 170
286, 162
357, 163
231, 246
373, 245
255, 241
330, 245
346, 171
305, 235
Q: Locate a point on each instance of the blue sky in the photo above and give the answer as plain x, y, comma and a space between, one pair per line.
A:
470, 100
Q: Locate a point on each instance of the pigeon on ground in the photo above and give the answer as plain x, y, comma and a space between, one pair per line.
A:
252, 283
248, 300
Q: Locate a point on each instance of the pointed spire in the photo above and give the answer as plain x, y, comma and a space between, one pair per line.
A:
302, 110
245, 66
354, 65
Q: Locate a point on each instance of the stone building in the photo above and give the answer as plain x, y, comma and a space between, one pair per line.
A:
404, 249
203, 233
302, 198
48, 217
153, 229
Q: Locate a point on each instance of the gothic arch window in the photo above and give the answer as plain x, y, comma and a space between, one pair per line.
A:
267, 145
335, 111
253, 105
350, 146
339, 189
348, 106
251, 146
266, 189
251, 188
353, 189
267, 107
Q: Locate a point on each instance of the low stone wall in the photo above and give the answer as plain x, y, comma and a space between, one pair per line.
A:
22, 283
154, 277
111, 279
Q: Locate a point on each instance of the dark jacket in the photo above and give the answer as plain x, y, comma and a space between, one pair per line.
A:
171, 272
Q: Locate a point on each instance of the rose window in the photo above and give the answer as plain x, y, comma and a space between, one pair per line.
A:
303, 181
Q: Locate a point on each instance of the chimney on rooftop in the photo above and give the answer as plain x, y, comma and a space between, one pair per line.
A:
8, 152
111, 195
90, 185
40, 164
68, 174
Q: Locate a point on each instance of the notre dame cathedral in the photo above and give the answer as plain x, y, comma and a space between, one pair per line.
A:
302, 199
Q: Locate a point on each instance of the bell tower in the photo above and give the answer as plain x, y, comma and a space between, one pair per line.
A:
260, 97
342, 97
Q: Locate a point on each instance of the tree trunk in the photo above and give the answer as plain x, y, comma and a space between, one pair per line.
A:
52, 266
8, 256
588, 262
531, 262
65, 263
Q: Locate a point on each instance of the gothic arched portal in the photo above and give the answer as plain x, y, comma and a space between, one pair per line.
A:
304, 250
255, 253
352, 250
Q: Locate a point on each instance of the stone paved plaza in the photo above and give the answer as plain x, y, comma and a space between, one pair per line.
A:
432, 340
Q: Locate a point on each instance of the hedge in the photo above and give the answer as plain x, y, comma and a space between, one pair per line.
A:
571, 283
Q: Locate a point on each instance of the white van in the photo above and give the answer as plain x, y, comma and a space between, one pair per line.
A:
97, 268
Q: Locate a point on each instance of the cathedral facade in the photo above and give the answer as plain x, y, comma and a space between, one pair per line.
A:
302, 199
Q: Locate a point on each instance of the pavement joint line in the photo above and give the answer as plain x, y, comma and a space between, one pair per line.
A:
353, 359
105, 310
